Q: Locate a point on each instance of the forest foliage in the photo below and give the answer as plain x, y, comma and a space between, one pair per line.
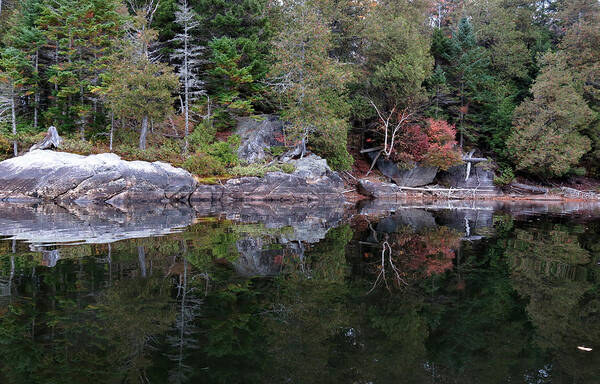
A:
427, 80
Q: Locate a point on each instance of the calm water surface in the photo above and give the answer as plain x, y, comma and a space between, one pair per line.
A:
457, 293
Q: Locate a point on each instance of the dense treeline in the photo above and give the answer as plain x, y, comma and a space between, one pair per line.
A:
421, 80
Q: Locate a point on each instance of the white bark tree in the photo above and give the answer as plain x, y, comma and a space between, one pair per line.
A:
188, 55
8, 109
139, 33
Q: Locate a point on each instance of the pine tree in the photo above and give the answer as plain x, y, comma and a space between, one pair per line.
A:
137, 87
141, 90
306, 78
188, 55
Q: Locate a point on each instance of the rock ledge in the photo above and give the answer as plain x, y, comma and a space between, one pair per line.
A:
106, 178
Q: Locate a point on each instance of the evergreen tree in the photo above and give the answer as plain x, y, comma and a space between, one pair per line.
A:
469, 76
25, 36
547, 139
396, 65
581, 46
136, 87
83, 34
239, 34
12, 81
141, 90
308, 80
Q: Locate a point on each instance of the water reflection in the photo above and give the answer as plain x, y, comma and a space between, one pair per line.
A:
425, 294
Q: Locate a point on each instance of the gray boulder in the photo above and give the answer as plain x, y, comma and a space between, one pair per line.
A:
386, 191
481, 177
61, 176
257, 135
274, 186
311, 167
312, 180
416, 176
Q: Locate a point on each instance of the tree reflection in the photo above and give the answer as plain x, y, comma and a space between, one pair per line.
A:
176, 309
407, 256
552, 270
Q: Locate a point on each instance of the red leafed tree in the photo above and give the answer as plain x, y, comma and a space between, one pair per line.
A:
432, 144
442, 151
413, 145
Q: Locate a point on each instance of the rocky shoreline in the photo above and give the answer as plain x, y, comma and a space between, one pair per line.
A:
42, 176
106, 178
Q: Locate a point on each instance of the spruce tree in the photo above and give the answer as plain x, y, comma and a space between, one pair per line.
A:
238, 34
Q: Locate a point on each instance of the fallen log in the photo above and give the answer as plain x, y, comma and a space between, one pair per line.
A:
446, 189
475, 159
371, 150
529, 188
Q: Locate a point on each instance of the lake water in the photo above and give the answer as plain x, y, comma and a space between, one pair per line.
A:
461, 292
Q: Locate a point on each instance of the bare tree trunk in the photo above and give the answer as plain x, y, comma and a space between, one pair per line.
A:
142, 260
462, 113
82, 121
187, 92
112, 130
36, 98
144, 133
14, 120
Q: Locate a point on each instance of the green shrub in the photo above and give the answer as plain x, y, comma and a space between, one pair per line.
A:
287, 167
225, 151
203, 135
277, 151
256, 170
202, 164
259, 170
505, 177
6, 148
332, 147
578, 171
77, 146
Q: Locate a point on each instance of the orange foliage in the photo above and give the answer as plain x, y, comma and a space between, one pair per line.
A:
427, 253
